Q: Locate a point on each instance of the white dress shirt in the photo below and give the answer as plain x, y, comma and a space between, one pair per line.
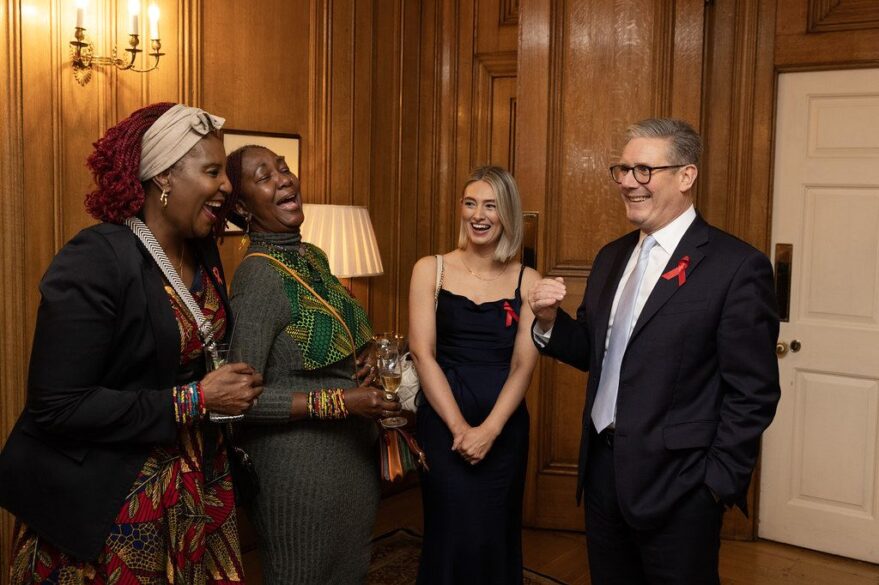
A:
667, 239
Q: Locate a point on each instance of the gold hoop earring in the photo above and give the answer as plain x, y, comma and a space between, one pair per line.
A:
164, 198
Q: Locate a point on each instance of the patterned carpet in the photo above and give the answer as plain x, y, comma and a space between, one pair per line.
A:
395, 561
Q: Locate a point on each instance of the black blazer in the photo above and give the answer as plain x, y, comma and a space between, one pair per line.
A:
105, 356
699, 380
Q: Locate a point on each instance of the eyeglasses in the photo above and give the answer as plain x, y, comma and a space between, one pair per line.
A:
642, 173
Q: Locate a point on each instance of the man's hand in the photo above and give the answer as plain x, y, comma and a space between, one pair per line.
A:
545, 297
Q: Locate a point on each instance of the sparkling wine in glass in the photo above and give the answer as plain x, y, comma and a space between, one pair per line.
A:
390, 370
218, 357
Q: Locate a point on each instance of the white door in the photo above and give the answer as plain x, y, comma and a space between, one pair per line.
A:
820, 477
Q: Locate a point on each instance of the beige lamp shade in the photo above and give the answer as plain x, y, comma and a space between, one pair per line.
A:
345, 233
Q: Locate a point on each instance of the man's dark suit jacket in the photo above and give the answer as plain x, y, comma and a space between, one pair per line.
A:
105, 356
699, 379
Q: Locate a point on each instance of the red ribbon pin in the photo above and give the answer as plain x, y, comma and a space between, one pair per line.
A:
511, 314
679, 271
216, 272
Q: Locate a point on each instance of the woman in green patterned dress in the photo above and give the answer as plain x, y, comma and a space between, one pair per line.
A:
312, 436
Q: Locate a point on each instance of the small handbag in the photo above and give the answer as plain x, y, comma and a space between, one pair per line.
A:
244, 476
399, 454
409, 383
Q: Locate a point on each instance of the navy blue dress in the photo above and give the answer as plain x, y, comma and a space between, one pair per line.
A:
473, 513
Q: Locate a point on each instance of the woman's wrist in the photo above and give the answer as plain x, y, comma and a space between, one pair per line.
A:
492, 427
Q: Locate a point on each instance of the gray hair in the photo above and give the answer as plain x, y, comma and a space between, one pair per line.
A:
685, 144
509, 210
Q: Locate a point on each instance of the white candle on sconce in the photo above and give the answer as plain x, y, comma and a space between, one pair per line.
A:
80, 13
154, 21
134, 13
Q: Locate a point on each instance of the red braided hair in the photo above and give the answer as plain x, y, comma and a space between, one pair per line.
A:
115, 164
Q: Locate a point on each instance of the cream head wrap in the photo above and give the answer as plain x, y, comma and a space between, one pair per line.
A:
171, 136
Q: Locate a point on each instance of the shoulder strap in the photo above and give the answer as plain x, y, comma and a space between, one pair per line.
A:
205, 327
440, 270
301, 281
519, 284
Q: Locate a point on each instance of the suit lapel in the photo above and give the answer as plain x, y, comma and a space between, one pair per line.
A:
690, 245
608, 291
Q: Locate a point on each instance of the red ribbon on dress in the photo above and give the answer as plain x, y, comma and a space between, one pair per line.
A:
511, 314
679, 271
216, 272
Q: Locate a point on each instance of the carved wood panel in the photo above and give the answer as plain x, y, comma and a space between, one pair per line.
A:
814, 34
840, 15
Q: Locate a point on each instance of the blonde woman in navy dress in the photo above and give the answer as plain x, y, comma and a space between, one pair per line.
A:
475, 358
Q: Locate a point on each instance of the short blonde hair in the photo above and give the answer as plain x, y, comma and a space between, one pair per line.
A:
509, 209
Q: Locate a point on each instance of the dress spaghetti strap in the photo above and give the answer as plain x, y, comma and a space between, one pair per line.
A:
519, 284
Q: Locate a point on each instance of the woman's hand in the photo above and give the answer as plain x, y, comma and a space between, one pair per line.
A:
370, 402
231, 389
365, 368
475, 443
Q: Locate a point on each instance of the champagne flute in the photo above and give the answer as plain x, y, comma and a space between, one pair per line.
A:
218, 358
390, 370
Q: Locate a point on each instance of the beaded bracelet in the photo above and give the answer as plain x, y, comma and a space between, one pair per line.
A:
326, 404
189, 403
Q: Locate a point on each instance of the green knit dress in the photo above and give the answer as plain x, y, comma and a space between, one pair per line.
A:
319, 481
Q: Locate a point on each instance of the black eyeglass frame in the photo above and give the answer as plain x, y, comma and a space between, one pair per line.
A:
650, 171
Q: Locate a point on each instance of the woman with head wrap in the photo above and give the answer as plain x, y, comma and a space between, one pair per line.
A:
113, 472
313, 435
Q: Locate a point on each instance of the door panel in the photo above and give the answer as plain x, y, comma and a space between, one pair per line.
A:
819, 474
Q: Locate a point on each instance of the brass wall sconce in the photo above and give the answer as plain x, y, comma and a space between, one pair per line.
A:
82, 51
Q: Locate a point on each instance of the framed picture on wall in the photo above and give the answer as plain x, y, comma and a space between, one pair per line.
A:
286, 145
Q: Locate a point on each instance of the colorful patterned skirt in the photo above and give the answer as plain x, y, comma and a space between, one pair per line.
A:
173, 528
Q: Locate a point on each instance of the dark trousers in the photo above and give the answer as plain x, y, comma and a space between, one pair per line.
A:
683, 551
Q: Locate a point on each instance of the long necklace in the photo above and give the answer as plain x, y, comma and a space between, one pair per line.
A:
482, 278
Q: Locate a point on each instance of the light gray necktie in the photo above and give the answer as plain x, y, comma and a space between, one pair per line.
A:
604, 409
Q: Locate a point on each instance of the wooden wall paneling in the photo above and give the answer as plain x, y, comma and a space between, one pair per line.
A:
467, 24
263, 67
387, 88
315, 148
432, 93
13, 285
40, 165
610, 64
688, 36
496, 26
841, 15
815, 34
348, 124
737, 127
532, 144
409, 138
738, 118
361, 126
340, 84
494, 109
190, 54
509, 12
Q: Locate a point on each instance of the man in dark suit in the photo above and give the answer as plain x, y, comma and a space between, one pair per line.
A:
677, 328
